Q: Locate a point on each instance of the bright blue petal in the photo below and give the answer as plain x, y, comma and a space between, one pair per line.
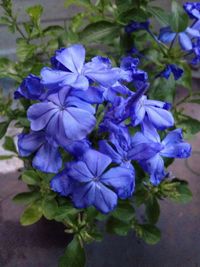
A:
149, 131
47, 159
160, 118
80, 172
155, 167
77, 123
72, 58
39, 115
185, 41
84, 195
106, 149
29, 143
96, 162
166, 35
121, 180
93, 95
62, 184
105, 199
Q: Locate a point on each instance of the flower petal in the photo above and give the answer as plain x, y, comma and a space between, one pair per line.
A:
72, 57
121, 179
77, 123
29, 143
47, 159
84, 195
39, 115
79, 171
105, 199
106, 149
96, 162
185, 41
160, 118
62, 184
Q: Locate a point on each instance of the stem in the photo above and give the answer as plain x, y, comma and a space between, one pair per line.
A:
157, 41
172, 43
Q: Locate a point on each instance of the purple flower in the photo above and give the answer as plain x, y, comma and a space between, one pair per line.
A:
156, 111
172, 146
63, 116
185, 38
131, 72
30, 88
47, 157
92, 184
135, 26
122, 147
72, 70
192, 9
171, 68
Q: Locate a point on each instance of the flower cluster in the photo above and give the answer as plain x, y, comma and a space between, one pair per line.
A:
189, 39
85, 112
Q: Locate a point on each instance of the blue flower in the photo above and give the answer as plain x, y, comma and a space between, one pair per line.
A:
185, 38
156, 111
92, 184
47, 157
122, 147
131, 72
63, 116
30, 88
171, 68
70, 69
192, 9
135, 26
172, 146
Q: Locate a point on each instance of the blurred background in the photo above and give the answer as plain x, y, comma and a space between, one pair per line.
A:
40, 245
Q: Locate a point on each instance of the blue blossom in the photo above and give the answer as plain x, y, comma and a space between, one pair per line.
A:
47, 157
157, 111
192, 9
73, 71
92, 184
172, 146
111, 93
171, 68
30, 88
63, 116
122, 147
135, 26
185, 38
131, 72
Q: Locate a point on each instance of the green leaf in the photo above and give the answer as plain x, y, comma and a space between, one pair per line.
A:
9, 144
26, 197
149, 233
25, 50
30, 177
161, 16
35, 12
183, 193
49, 207
189, 125
124, 211
118, 227
64, 212
32, 214
3, 128
186, 79
152, 210
5, 157
163, 89
178, 19
84, 3
98, 30
74, 255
